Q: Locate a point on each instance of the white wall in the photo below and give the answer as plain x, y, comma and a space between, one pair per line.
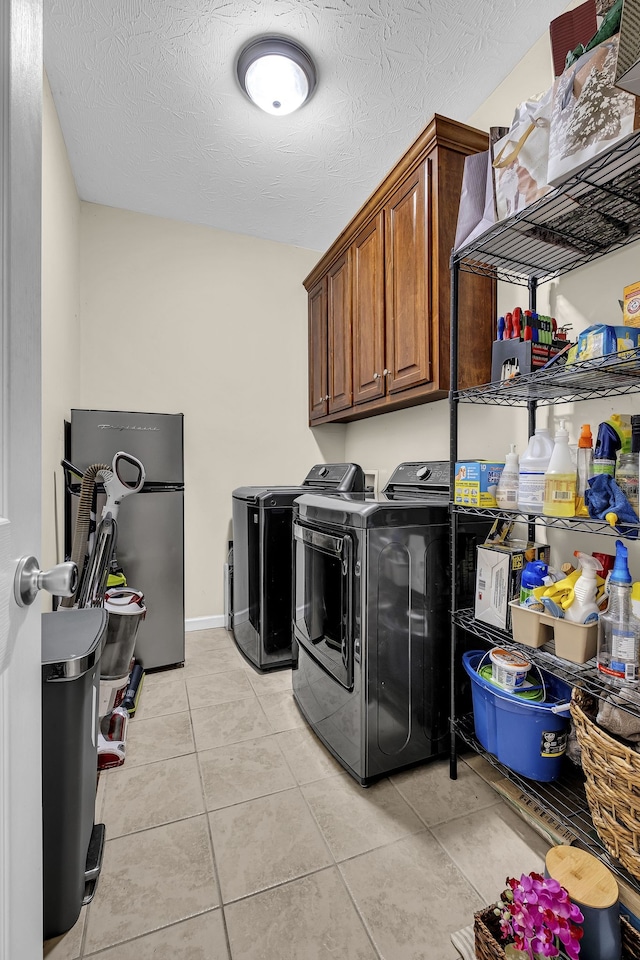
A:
179, 318
60, 321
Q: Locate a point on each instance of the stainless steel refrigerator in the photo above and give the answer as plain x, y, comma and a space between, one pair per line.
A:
150, 536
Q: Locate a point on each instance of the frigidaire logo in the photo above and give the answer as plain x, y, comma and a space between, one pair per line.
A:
124, 426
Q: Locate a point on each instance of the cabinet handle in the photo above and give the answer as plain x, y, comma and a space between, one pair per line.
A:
375, 376
327, 397
386, 373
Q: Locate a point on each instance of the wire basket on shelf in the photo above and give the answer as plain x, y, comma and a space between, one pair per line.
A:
612, 772
489, 946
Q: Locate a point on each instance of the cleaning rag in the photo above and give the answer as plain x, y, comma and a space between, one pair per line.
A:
618, 713
604, 496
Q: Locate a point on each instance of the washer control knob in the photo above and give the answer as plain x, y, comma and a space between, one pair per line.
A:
323, 471
423, 473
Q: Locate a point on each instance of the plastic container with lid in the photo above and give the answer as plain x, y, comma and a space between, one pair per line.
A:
509, 669
533, 464
560, 478
507, 489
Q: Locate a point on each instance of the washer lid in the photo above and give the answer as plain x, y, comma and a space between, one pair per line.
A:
71, 642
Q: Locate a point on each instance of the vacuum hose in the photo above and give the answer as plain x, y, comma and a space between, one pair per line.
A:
83, 520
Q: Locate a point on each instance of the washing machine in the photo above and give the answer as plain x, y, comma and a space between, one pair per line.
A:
372, 618
261, 597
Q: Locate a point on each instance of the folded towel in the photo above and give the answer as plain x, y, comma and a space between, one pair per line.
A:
604, 496
618, 713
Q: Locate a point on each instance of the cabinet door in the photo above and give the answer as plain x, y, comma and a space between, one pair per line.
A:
408, 313
318, 350
339, 334
368, 312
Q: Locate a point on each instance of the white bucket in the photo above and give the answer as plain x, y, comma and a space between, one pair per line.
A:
508, 668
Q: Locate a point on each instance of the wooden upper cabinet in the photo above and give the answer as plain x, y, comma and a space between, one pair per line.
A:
368, 312
318, 351
387, 302
408, 313
339, 334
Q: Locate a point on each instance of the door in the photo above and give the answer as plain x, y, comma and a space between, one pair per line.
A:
318, 396
20, 478
408, 285
324, 614
369, 372
339, 334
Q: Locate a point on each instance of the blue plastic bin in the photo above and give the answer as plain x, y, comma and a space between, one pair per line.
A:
524, 735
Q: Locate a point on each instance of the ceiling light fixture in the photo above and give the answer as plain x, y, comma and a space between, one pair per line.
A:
277, 74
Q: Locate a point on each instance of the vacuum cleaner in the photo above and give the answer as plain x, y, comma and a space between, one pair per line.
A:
93, 551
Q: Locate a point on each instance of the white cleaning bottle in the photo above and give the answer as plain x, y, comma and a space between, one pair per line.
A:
584, 608
533, 464
560, 479
507, 490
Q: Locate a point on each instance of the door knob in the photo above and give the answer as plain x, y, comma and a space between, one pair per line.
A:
61, 580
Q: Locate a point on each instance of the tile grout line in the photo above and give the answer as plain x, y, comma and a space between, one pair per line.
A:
141, 936
336, 865
213, 856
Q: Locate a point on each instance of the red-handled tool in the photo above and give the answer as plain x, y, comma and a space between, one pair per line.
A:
508, 326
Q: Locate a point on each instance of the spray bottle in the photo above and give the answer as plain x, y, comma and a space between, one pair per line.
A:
534, 575
608, 443
560, 479
619, 629
585, 468
584, 608
507, 490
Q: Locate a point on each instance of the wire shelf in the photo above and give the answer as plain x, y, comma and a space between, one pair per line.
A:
583, 675
594, 212
613, 375
564, 800
574, 524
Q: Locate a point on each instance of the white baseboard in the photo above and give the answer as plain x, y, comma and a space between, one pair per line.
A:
204, 623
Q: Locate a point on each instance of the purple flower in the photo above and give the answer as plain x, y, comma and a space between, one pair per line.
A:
538, 915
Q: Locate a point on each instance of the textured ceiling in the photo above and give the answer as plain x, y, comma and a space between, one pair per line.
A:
154, 120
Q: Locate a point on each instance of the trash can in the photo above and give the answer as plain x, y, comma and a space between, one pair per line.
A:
71, 645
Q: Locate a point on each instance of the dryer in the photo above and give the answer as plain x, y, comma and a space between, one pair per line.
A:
372, 618
261, 601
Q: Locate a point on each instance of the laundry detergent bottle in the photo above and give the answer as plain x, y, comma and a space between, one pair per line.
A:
560, 479
619, 629
533, 464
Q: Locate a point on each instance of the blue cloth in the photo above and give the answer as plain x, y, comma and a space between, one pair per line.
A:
605, 496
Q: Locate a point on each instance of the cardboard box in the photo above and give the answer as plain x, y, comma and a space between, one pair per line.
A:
498, 576
476, 482
631, 305
601, 340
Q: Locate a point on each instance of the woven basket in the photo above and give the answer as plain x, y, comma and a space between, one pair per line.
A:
612, 772
486, 929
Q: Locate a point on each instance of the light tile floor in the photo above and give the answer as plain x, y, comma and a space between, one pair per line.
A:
234, 835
